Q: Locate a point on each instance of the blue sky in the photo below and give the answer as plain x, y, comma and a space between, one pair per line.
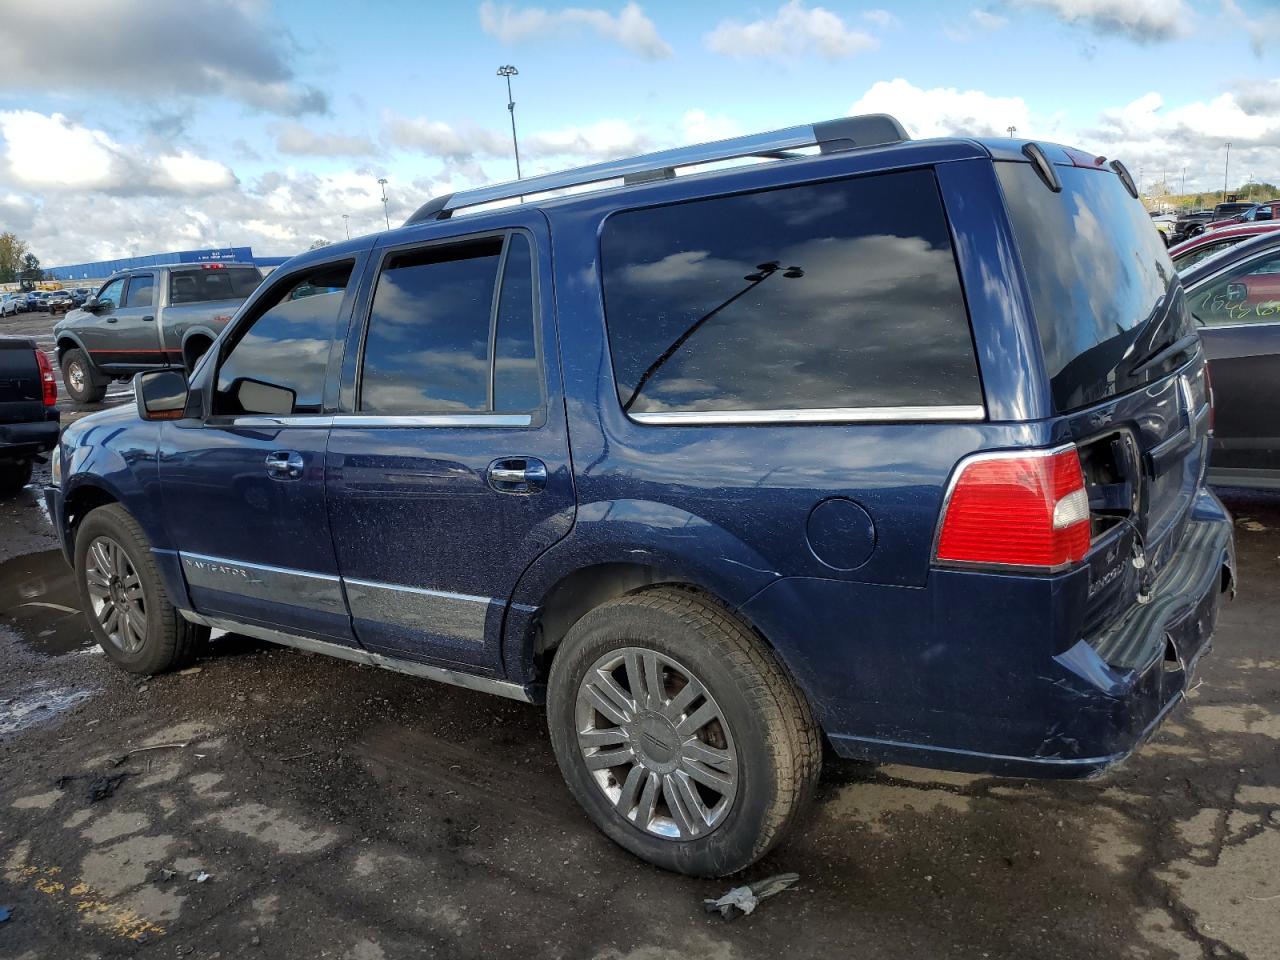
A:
253, 122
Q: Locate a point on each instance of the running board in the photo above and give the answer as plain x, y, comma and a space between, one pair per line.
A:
469, 681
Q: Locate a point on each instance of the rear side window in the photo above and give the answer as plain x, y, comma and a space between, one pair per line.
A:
277, 365
451, 330
213, 283
141, 290
1101, 281
832, 295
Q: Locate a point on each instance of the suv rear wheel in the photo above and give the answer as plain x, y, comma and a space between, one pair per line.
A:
680, 733
78, 376
124, 598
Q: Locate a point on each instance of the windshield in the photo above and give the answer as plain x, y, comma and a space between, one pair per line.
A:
1105, 293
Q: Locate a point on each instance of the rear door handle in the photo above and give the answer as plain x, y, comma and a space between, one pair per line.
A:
284, 465
522, 475
148, 317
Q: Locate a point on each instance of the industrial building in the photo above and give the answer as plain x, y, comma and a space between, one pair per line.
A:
101, 269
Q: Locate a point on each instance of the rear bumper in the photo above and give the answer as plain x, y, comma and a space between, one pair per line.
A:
28, 439
989, 674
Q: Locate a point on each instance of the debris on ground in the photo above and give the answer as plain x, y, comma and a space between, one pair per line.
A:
200, 876
742, 900
124, 757
5, 913
100, 787
167, 874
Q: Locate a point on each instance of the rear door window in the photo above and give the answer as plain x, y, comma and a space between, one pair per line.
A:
1103, 287
141, 290
448, 334
816, 297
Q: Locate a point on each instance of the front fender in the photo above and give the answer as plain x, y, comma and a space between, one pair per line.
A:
681, 545
116, 452
69, 333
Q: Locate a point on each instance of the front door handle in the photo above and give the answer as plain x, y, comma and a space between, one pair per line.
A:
517, 475
284, 465
148, 317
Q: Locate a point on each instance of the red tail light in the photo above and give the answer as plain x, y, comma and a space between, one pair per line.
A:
1026, 508
47, 383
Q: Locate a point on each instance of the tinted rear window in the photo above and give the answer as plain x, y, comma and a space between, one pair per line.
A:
1101, 281
841, 294
202, 286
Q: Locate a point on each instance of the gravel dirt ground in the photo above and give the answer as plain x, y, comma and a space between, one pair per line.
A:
340, 811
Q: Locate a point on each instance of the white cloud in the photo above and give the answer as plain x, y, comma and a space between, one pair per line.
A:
1143, 21
945, 111
146, 48
793, 32
986, 20
630, 28
53, 153
602, 140
697, 126
881, 18
299, 139
435, 137
1263, 28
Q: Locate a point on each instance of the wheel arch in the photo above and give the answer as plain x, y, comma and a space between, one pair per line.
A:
188, 340
69, 341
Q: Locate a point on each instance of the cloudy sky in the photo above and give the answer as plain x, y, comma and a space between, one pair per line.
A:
128, 128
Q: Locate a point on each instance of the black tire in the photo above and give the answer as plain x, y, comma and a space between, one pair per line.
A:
170, 641
93, 386
777, 743
13, 477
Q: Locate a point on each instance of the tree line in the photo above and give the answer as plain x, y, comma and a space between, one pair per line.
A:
16, 261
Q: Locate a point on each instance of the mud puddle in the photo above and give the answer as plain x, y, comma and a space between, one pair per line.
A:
38, 601
36, 706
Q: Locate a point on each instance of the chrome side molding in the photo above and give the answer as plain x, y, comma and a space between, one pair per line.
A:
818, 415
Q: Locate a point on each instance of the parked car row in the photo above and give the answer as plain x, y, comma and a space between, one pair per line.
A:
42, 301
1235, 212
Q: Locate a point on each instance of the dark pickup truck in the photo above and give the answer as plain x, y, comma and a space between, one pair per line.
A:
148, 319
28, 415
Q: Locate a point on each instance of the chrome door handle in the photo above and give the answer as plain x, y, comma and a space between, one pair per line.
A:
517, 475
148, 317
284, 465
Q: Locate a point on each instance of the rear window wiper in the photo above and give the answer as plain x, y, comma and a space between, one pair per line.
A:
1183, 345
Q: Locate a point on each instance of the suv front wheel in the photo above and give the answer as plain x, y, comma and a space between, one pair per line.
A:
680, 733
123, 596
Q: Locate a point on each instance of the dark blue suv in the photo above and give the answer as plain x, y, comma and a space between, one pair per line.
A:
895, 444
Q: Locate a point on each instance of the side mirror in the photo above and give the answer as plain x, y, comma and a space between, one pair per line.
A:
90, 305
161, 395
1237, 293
255, 396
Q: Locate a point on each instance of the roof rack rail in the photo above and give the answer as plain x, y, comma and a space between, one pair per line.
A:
847, 133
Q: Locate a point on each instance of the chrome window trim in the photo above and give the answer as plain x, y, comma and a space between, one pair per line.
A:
362, 420
469, 681
966, 412
434, 420
1237, 326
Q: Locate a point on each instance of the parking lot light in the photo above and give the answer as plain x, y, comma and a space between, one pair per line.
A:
382, 181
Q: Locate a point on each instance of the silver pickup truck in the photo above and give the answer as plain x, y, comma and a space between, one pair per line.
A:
148, 319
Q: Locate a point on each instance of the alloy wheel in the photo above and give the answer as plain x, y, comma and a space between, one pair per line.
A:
115, 593
656, 743
75, 377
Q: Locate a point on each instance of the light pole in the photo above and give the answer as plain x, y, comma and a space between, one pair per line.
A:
346, 222
382, 181
510, 71
1184, 181
1226, 167
1012, 130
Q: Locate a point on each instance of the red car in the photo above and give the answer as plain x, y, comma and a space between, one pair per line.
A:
1204, 245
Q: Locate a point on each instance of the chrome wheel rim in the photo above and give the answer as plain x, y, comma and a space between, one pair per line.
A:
115, 595
75, 377
656, 744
